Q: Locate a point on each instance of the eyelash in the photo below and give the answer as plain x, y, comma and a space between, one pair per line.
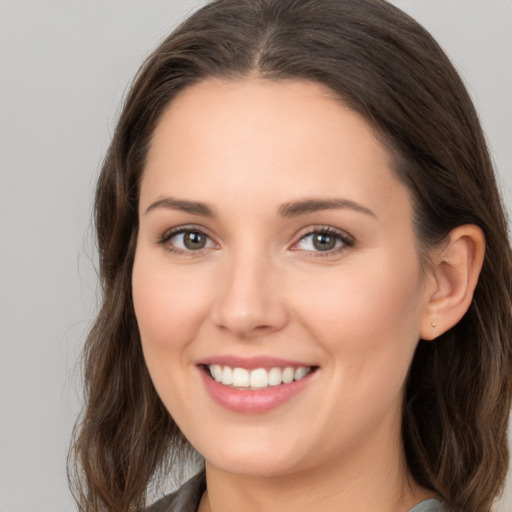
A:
346, 240
170, 234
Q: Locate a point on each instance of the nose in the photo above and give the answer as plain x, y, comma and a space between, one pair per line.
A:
250, 301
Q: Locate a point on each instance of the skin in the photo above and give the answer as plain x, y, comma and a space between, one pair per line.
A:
246, 148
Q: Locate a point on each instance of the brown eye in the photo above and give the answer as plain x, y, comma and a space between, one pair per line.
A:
186, 240
194, 240
324, 241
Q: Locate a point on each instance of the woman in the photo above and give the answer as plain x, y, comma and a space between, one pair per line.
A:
306, 274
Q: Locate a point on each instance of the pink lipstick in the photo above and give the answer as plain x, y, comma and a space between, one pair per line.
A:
253, 385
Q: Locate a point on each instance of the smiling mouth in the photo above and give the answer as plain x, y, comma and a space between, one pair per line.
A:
257, 379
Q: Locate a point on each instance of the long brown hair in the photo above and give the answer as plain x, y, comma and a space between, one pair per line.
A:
385, 66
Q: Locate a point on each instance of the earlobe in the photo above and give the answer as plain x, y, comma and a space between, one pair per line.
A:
453, 279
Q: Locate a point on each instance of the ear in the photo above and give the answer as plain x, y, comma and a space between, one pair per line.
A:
452, 280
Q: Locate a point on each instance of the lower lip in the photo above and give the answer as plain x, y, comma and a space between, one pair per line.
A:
252, 401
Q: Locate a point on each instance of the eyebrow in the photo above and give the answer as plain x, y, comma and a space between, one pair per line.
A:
306, 206
194, 207
291, 209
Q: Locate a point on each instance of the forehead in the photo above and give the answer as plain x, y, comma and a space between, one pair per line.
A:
254, 137
244, 108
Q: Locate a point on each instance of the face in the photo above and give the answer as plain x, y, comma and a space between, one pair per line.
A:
276, 283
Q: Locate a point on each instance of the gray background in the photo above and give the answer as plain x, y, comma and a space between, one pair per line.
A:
64, 66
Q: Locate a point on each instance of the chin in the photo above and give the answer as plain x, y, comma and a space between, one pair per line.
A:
257, 459
260, 467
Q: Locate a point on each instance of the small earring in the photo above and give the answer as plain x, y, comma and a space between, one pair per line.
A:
433, 324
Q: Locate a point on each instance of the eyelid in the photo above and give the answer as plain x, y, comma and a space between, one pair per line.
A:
168, 234
346, 239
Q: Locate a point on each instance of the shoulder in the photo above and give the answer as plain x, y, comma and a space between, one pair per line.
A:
185, 499
431, 505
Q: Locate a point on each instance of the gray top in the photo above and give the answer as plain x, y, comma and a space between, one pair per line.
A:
432, 505
185, 499
188, 496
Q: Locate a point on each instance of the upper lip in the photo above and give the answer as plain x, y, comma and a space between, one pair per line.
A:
251, 363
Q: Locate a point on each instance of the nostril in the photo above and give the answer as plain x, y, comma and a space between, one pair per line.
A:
262, 328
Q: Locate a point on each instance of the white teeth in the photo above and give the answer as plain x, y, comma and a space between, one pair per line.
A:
259, 378
288, 375
216, 371
301, 373
240, 378
274, 376
227, 376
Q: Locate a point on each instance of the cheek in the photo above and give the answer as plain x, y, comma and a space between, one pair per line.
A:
169, 309
168, 305
367, 323
367, 314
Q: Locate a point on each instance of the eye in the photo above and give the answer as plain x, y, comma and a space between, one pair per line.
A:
324, 240
186, 240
